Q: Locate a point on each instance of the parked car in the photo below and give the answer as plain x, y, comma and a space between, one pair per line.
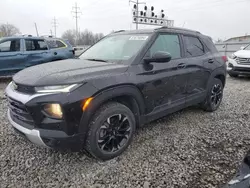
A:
239, 62
80, 49
17, 53
127, 79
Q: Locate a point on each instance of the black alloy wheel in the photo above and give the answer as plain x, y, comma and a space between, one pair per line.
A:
114, 133
110, 131
216, 95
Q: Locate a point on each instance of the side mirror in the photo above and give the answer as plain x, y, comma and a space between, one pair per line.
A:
242, 47
159, 57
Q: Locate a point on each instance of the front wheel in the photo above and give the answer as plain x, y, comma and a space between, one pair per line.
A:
110, 131
214, 96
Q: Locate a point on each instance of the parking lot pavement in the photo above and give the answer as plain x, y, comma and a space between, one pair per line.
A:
191, 148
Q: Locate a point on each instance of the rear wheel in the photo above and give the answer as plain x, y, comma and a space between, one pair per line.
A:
110, 131
214, 96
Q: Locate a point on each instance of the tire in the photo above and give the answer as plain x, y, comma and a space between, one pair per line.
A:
113, 124
214, 96
233, 75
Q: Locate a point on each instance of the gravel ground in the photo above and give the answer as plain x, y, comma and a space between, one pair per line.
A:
191, 148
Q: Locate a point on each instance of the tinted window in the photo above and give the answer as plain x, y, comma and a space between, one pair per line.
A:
10, 46
29, 45
168, 43
59, 44
42, 45
55, 44
193, 46
32, 45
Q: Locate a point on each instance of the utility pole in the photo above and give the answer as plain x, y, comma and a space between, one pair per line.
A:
36, 30
137, 10
51, 32
76, 11
54, 24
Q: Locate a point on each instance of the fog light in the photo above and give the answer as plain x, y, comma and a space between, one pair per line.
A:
54, 110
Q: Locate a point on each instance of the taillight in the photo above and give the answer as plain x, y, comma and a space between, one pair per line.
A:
224, 58
73, 51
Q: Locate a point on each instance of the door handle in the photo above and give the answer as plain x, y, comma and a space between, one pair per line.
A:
210, 61
181, 66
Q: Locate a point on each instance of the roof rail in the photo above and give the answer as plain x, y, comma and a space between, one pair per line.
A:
118, 31
27, 35
47, 36
177, 28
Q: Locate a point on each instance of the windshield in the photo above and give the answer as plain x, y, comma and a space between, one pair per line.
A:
247, 47
117, 47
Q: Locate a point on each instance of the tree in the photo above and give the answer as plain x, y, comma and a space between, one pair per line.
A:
7, 30
84, 38
70, 36
219, 40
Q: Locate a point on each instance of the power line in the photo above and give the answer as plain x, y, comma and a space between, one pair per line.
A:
76, 11
54, 24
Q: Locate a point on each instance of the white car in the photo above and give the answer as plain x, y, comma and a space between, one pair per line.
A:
239, 62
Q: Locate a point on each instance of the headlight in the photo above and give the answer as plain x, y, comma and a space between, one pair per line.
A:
54, 110
56, 89
233, 56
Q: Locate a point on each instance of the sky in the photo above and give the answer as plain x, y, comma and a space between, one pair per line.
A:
217, 18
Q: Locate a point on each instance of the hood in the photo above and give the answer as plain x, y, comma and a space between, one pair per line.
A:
243, 53
66, 72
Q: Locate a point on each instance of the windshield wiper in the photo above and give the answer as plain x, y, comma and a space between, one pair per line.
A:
101, 60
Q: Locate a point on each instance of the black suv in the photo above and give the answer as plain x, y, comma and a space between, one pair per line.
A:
127, 79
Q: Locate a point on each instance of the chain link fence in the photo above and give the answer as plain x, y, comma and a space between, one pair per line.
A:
227, 48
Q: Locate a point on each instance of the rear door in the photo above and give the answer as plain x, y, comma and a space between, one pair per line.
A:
36, 52
196, 56
60, 49
11, 56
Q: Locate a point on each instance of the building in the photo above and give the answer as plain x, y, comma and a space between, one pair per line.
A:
245, 38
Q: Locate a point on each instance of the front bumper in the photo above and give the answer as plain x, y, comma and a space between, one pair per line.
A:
235, 68
43, 131
33, 135
48, 138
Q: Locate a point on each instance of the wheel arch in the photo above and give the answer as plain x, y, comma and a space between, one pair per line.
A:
219, 73
128, 95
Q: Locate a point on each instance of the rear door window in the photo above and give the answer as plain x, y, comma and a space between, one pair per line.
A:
34, 45
10, 46
194, 47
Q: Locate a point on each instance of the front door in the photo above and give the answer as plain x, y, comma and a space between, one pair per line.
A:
164, 84
11, 56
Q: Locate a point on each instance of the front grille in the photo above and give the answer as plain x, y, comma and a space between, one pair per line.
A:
19, 112
240, 60
24, 89
242, 69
